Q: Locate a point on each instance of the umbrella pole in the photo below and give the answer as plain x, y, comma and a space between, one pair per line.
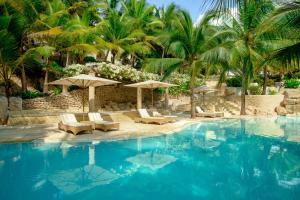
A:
82, 93
152, 99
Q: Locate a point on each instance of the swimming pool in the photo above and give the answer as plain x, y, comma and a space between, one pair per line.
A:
225, 159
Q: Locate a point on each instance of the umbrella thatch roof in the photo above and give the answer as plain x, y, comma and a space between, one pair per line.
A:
84, 81
151, 160
204, 89
151, 84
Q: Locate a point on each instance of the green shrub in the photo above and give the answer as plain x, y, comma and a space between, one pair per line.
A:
270, 82
55, 91
296, 75
259, 80
255, 90
29, 94
291, 83
234, 82
89, 59
272, 92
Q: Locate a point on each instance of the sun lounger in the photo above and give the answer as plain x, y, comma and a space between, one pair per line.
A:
100, 124
201, 113
147, 119
69, 123
171, 118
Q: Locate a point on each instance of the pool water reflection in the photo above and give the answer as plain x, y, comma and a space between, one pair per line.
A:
225, 159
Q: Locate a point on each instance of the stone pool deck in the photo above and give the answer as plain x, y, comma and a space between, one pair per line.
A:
50, 133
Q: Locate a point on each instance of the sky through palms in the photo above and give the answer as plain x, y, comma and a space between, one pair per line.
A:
194, 7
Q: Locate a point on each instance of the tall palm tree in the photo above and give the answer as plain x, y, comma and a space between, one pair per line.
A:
27, 12
144, 24
141, 15
42, 55
193, 48
8, 54
250, 45
114, 31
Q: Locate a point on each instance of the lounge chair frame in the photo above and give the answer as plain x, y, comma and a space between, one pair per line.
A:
100, 124
80, 127
209, 114
147, 119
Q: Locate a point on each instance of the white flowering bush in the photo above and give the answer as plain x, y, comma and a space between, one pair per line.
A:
127, 73
75, 69
111, 71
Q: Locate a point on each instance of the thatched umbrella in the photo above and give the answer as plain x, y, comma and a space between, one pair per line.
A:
150, 84
204, 90
84, 81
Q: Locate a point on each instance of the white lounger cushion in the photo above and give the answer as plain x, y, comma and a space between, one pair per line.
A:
199, 110
144, 113
95, 117
156, 114
68, 118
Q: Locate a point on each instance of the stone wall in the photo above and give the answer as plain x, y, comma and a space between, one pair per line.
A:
106, 97
15, 104
260, 104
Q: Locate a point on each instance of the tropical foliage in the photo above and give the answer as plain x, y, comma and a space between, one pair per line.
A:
132, 40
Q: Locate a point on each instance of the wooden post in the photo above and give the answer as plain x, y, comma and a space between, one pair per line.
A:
91, 99
152, 98
166, 98
139, 98
92, 96
64, 89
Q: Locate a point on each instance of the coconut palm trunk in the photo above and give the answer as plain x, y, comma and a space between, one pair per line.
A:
193, 112
113, 58
23, 79
243, 92
45, 87
264, 92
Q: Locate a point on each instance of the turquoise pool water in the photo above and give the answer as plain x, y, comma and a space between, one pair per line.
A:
228, 159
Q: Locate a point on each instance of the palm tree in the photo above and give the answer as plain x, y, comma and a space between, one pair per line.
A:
141, 15
285, 20
164, 37
114, 34
78, 38
27, 12
41, 55
250, 45
222, 5
8, 54
193, 48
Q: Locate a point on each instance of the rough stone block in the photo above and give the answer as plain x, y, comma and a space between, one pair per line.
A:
290, 109
288, 101
292, 93
15, 103
281, 110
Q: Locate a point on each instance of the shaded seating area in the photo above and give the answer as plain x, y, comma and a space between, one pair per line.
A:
201, 113
100, 124
69, 123
144, 117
